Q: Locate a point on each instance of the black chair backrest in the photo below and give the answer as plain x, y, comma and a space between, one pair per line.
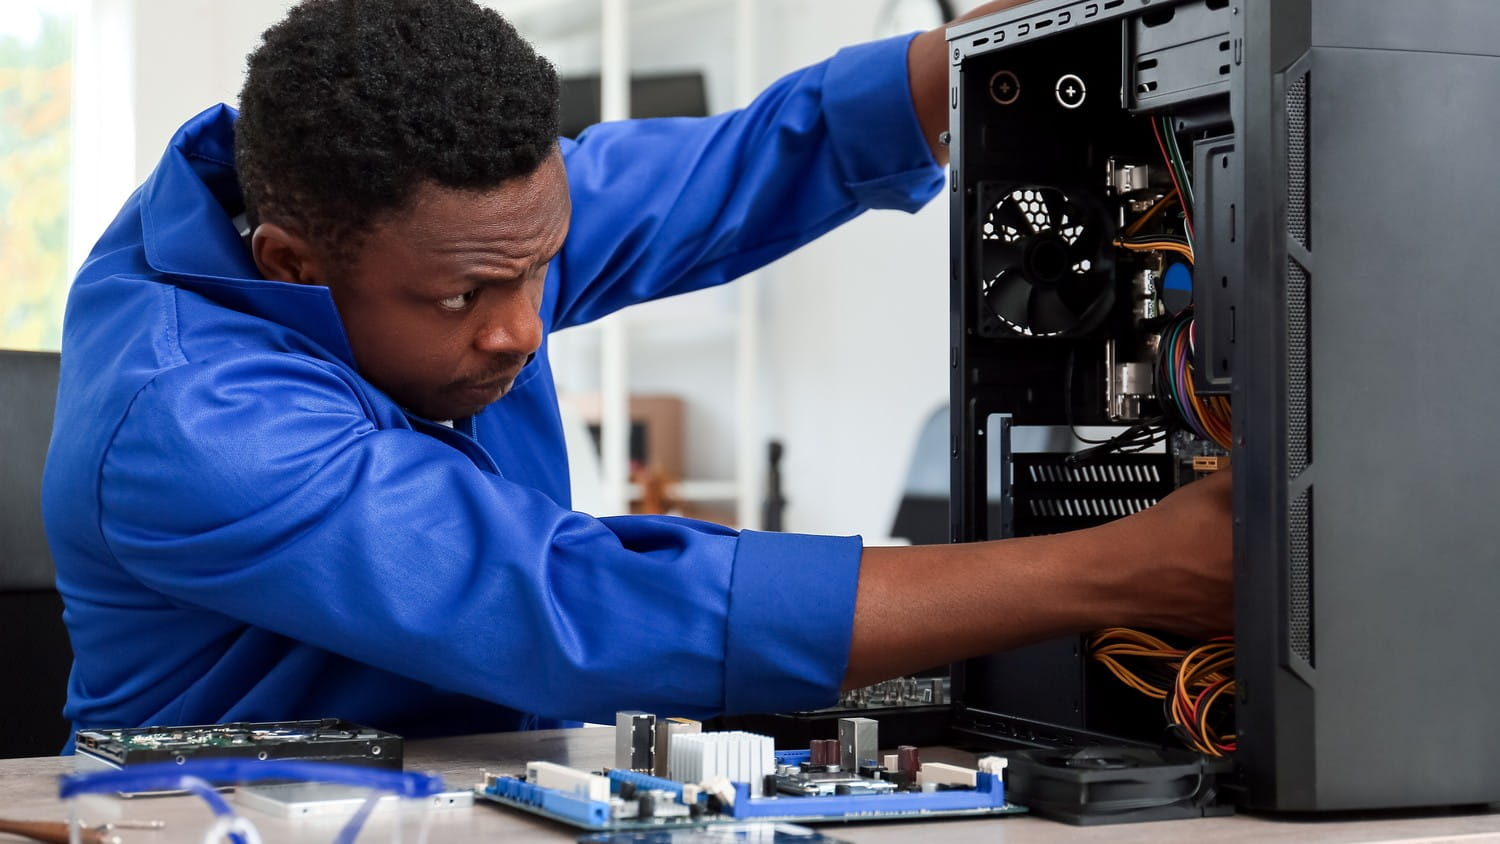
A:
34, 652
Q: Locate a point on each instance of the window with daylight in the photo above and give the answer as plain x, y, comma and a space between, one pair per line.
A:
36, 139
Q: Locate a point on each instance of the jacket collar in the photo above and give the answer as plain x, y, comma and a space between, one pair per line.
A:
187, 209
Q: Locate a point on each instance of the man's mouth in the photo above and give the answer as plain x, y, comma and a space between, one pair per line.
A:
496, 386
486, 390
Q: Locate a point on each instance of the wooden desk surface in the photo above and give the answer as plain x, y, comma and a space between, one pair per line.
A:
28, 789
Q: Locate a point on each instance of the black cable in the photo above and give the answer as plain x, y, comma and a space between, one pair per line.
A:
945, 10
1068, 400
1132, 440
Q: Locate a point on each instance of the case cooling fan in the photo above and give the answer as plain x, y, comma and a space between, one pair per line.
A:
1116, 784
1043, 272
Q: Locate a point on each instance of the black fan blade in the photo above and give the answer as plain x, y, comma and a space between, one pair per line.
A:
1007, 296
1080, 290
1009, 213
997, 256
1056, 207
1047, 313
1085, 246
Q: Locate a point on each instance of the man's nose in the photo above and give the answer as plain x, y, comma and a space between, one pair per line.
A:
511, 326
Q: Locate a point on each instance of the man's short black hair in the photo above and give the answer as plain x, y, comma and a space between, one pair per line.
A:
349, 105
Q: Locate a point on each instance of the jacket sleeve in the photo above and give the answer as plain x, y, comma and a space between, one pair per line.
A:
283, 507
671, 205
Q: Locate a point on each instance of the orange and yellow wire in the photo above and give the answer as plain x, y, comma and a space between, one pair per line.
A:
1192, 682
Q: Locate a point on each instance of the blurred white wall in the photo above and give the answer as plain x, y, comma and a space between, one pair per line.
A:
854, 327
190, 54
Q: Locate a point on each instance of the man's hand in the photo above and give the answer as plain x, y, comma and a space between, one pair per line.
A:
1186, 586
1166, 568
927, 67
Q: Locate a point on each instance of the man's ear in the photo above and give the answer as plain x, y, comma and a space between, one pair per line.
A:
283, 255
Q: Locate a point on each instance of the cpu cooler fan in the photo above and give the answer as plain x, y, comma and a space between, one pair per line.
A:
1042, 270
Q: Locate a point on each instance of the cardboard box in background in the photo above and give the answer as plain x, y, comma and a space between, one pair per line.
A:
657, 437
655, 430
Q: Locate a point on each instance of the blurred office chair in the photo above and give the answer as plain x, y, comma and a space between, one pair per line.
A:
922, 514
34, 652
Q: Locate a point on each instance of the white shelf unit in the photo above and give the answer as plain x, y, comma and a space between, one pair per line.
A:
552, 19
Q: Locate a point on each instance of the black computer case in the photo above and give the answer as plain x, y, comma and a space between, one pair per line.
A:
1346, 202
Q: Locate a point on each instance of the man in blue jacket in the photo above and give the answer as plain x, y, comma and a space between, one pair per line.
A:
308, 460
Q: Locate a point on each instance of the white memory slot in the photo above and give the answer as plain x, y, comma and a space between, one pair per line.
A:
993, 765
940, 773
571, 780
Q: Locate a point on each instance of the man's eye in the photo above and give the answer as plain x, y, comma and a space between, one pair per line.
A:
459, 302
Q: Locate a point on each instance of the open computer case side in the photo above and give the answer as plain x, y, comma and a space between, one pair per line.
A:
1035, 361
1048, 318
1345, 197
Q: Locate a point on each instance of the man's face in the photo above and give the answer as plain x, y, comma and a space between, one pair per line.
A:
441, 303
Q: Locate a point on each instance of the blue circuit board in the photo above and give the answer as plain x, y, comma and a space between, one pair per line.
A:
756, 832
671, 809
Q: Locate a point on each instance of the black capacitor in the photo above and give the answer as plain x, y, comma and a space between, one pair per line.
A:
645, 806
769, 787
627, 790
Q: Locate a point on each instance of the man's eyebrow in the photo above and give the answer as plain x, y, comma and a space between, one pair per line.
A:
496, 275
489, 276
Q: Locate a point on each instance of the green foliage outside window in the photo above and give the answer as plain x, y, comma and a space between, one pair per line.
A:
36, 77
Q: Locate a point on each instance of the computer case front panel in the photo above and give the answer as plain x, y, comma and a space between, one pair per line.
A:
1345, 197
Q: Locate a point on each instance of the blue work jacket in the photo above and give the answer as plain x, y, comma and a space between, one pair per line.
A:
246, 529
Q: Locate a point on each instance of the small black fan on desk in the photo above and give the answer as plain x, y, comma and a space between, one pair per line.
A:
1040, 259
1116, 784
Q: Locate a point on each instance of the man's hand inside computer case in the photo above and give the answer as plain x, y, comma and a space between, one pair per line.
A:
1184, 585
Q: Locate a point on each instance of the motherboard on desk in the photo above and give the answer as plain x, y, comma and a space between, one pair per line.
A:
670, 774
